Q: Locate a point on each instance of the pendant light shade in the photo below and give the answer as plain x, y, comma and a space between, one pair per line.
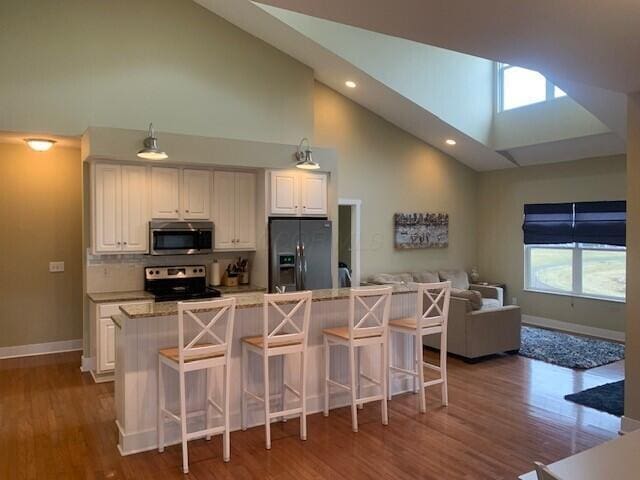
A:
151, 150
303, 157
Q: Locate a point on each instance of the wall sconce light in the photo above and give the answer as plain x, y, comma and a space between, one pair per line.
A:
303, 156
151, 151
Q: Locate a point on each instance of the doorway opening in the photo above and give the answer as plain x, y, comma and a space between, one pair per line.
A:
349, 242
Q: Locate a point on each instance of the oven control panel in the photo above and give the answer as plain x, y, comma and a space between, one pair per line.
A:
173, 273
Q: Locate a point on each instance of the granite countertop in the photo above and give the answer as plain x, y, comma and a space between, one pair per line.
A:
109, 297
240, 289
244, 300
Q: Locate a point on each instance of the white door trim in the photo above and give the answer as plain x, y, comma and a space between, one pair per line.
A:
355, 237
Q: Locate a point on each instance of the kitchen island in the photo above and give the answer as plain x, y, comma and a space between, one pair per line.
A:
142, 330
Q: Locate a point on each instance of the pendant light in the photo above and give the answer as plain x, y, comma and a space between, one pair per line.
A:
151, 150
305, 161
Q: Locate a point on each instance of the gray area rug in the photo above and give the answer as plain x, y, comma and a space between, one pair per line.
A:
606, 398
566, 350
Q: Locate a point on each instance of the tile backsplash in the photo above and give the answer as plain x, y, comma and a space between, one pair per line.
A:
120, 273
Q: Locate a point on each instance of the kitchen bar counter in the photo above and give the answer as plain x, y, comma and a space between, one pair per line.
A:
143, 330
244, 300
113, 297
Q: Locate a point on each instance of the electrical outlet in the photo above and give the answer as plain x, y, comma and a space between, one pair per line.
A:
514, 300
56, 267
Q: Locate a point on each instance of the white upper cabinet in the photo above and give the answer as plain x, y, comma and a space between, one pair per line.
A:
313, 191
224, 210
234, 199
298, 193
165, 193
245, 211
120, 212
107, 208
196, 194
284, 193
135, 211
180, 194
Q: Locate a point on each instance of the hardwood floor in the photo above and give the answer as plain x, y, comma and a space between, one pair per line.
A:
55, 423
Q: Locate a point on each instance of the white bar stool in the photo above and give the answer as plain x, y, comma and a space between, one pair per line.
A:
288, 336
431, 317
369, 329
190, 356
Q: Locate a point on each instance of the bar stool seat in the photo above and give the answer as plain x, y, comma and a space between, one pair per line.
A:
410, 323
258, 342
343, 333
173, 353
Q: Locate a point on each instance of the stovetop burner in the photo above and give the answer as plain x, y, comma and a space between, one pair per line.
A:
168, 284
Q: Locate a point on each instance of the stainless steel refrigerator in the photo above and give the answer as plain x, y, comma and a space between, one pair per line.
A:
299, 254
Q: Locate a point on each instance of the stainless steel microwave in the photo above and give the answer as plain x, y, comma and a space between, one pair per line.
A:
180, 238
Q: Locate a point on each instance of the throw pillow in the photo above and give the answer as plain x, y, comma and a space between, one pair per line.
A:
458, 278
426, 277
391, 279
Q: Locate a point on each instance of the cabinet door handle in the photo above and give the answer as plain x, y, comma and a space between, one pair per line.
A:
125, 243
177, 211
187, 211
117, 243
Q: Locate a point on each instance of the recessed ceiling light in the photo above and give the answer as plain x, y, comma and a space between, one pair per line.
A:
351, 84
39, 144
450, 141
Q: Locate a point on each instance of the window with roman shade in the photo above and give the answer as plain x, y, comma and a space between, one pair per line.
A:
576, 249
602, 223
548, 223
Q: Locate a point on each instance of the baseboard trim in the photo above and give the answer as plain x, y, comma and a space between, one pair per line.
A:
41, 348
574, 328
87, 364
102, 377
628, 425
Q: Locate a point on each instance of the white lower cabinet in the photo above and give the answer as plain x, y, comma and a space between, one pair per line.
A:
103, 339
107, 347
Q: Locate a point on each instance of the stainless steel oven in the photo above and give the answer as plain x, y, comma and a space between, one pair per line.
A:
180, 238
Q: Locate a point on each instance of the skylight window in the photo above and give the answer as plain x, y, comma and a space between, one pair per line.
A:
519, 87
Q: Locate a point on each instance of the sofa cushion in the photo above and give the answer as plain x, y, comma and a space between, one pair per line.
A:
426, 277
488, 303
391, 279
475, 299
458, 278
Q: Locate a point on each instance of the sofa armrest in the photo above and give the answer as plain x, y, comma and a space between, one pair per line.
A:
489, 292
460, 305
493, 331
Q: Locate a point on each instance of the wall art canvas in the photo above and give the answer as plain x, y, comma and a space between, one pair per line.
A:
421, 230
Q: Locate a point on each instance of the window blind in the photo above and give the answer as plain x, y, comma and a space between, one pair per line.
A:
601, 222
548, 223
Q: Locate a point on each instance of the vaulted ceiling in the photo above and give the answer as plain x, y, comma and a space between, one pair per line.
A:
314, 43
596, 43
